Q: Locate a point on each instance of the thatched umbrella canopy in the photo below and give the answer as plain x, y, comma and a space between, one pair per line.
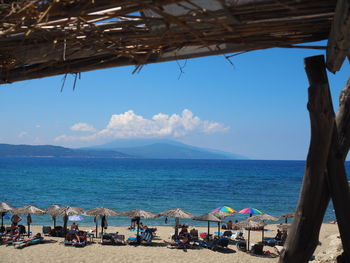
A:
29, 210
52, 210
263, 217
286, 216
137, 213
221, 214
102, 212
252, 225
66, 211
4, 208
207, 217
176, 213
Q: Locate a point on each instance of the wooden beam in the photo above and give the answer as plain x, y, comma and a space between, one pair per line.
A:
314, 198
337, 179
339, 37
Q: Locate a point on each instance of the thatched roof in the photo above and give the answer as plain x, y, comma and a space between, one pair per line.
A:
4, 207
101, 211
207, 217
139, 213
29, 209
250, 224
68, 211
176, 213
46, 38
289, 215
263, 217
52, 210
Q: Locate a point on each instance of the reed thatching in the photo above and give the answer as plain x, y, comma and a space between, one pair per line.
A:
29, 209
4, 207
139, 213
101, 211
45, 38
176, 213
263, 217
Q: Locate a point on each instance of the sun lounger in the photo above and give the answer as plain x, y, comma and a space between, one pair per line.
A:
113, 239
47, 230
216, 243
147, 236
257, 249
242, 246
238, 235
270, 241
24, 242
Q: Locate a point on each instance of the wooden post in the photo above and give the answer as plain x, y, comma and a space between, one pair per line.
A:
219, 229
177, 222
248, 248
337, 180
314, 197
96, 221
65, 221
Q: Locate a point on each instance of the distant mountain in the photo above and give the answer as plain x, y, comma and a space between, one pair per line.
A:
10, 150
163, 149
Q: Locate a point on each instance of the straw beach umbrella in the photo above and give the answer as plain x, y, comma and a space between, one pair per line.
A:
68, 211
286, 216
29, 210
102, 212
249, 225
52, 210
4, 208
176, 213
222, 212
207, 217
263, 217
137, 213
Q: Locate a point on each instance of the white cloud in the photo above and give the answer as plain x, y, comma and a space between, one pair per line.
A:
38, 126
82, 126
131, 125
22, 134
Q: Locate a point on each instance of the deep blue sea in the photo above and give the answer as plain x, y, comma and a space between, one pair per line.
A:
197, 186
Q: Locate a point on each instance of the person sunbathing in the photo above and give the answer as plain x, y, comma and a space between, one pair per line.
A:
15, 237
72, 235
183, 240
37, 236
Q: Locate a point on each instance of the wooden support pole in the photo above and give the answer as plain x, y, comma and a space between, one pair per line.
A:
314, 198
337, 179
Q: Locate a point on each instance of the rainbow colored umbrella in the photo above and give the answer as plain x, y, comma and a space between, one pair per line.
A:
225, 209
250, 211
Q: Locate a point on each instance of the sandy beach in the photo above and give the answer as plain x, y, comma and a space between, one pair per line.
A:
53, 250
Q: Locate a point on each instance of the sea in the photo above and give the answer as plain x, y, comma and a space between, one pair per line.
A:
197, 186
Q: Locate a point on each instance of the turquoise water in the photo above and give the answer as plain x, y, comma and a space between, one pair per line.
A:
197, 186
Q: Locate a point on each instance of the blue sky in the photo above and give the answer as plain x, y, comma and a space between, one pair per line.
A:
255, 108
